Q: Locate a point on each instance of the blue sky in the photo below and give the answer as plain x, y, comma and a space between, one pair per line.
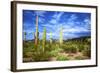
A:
74, 24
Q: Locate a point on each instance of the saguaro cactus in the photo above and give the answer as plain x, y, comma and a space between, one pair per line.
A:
44, 39
36, 33
50, 37
61, 36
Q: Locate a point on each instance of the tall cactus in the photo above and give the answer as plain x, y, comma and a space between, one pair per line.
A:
61, 36
44, 39
36, 33
50, 37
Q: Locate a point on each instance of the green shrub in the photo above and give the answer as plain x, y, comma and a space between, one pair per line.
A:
27, 54
81, 47
86, 52
62, 58
70, 48
40, 56
55, 52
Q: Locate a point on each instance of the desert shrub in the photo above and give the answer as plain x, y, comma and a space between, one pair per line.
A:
80, 47
24, 54
49, 47
39, 54
73, 50
86, 51
28, 54
43, 55
70, 48
55, 52
62, 58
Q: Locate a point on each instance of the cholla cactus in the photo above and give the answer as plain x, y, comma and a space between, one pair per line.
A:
44, 39
61, 36
50, 37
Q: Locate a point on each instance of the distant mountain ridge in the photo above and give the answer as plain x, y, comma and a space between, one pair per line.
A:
78, 38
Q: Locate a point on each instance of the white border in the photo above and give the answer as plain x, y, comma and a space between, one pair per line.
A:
21, 65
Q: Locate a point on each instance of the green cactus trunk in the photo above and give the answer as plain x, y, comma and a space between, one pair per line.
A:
37, 33
44, 39
50, 37
61, 36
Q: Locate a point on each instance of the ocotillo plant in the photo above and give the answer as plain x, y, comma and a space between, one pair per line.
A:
61, 36
36, 33
50, 37
44, 39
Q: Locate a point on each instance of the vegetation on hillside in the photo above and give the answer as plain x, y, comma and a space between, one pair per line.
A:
72, 49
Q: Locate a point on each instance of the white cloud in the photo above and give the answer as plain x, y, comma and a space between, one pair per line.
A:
73, 17
75, 30
87, 20
56, 17
59, 16
53, 21
40, 13
41, 20
87, 23
69, 35
50, 34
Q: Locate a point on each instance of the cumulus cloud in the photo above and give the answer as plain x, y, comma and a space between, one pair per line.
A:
56, 17
72, 26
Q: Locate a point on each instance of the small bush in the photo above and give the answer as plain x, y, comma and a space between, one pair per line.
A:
62, 58
70, 48
87, 51
55, 52
40, 55
80, 47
